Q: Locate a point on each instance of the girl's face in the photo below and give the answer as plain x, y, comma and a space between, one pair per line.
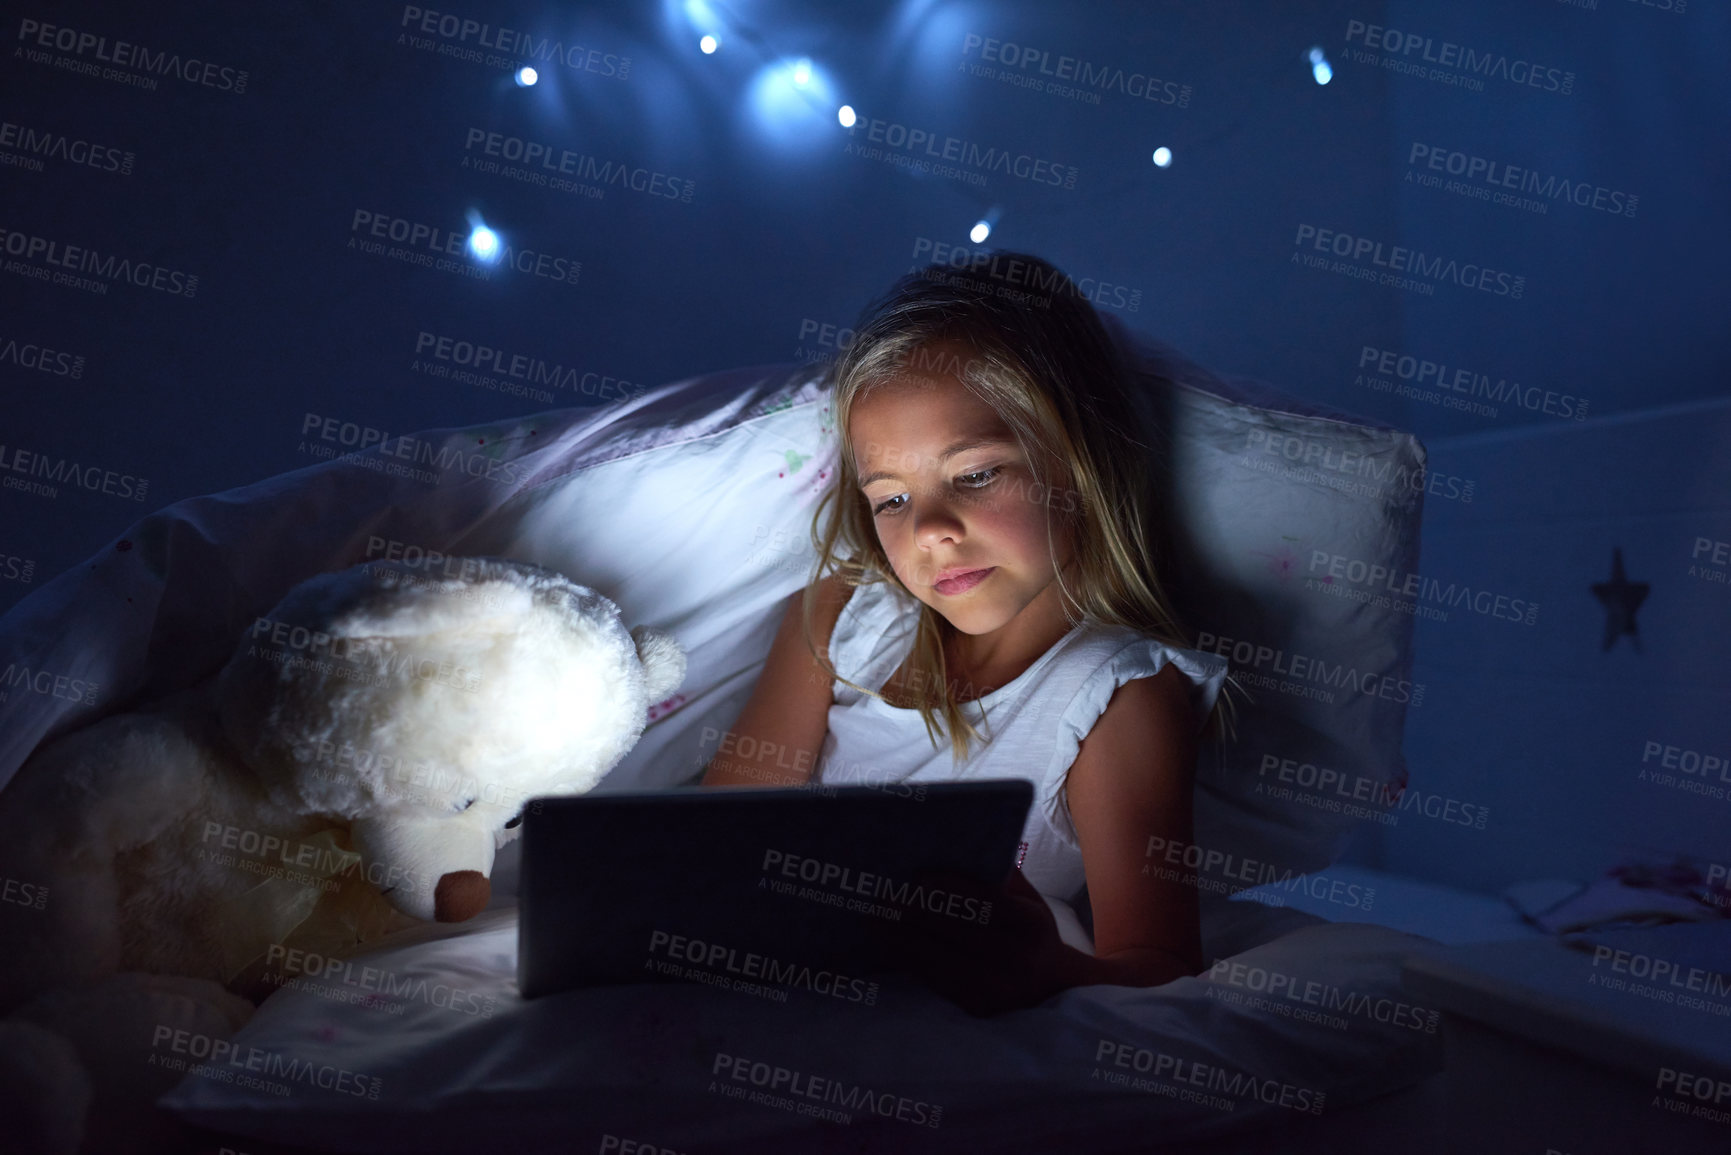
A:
950, 490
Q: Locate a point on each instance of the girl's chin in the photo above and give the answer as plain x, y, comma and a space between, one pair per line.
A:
972, 619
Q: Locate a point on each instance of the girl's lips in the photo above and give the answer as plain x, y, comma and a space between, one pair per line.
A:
964, 582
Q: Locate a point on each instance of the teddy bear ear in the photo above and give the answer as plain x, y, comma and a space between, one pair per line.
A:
663, 661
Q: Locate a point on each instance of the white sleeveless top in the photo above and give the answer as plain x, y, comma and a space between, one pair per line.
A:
1035, 724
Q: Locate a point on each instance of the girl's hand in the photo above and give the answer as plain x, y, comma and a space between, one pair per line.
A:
1013, 959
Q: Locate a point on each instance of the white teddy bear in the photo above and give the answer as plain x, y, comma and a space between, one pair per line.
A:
353, 768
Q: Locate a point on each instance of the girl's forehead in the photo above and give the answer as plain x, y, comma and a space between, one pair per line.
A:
917, 398
913, 417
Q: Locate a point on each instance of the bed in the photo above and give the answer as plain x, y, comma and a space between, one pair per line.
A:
567, 1071
689, 506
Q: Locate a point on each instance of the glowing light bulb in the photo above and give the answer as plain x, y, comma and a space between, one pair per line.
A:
484, 242
526, 77
802, 73
1319, 67
1162, 156
709, 44
979, 232
845, 114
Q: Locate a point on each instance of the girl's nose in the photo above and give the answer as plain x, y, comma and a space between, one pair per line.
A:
935, 524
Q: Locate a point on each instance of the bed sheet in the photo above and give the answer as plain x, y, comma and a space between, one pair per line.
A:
424, 1046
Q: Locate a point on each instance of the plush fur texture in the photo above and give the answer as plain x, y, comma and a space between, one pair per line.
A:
354, 767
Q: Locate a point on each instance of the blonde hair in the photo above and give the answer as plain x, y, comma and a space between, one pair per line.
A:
1041, 359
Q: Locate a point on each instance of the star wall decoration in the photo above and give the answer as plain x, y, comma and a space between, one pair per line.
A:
1621, 598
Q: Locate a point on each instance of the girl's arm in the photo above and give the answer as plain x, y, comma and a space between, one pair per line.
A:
1130, 788
787, 716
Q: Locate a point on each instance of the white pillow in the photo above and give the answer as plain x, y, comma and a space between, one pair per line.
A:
1286, 519
706, 537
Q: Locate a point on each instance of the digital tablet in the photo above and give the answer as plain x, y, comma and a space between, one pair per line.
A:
729, 884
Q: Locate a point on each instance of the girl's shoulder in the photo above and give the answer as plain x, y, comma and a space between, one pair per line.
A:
878, 600
1113, 655
870, 621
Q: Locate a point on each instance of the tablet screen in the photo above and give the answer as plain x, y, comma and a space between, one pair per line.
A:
750, 882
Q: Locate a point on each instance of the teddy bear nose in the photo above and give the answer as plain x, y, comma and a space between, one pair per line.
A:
460, 895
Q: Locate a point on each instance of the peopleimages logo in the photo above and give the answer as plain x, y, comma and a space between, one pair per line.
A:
1444, 381
248, 1066
1322, 459
926, 149
1022, 278
1340, 793
750, 972
1410, 592
318, 863
47, 683
1688, 761
1709, 559
474, 359
1305, 675
82, 267
374, 449
93, 51
1488, 179
867, 885
32, 463
1284, 989
1719, 883
1691, 1085
1067, 76
814, 1096
26, 147
41, 358
508, 47
1694, 769
1690, 979
1453, 63
552, 166
1220, 872
1178, 1073
1398, 259
343, 980
368, 659
17, 569
30, 895
434, 247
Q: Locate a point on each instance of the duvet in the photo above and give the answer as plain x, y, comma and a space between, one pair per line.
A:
425, 1046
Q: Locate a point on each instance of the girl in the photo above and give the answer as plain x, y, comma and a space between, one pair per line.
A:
990, 575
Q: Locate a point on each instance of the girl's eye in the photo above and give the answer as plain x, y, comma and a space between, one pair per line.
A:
987, 474
985, 477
